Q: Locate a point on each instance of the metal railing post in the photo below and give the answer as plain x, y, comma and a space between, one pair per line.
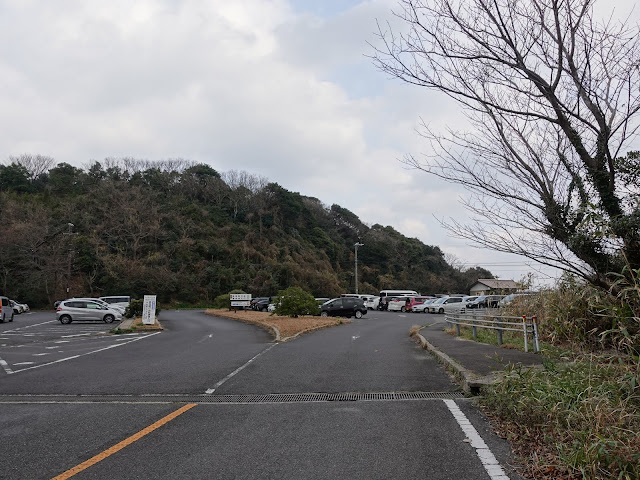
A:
499, 330
536, 343
526, 330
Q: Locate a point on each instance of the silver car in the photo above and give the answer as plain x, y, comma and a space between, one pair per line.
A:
114, 306
85, 311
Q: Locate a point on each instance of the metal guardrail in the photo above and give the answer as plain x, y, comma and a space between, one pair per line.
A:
525, 325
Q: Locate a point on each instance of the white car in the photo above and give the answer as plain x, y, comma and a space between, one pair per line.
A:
436, 305
398, 304
372, 303
423, 307
455, 304
18, 308
122, 300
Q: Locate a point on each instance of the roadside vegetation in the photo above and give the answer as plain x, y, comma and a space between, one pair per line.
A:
579, 416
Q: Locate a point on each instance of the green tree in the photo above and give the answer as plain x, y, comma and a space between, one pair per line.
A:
294, 301
15, 178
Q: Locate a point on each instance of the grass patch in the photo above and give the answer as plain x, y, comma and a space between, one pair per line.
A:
287, 326
572, 420
120, 331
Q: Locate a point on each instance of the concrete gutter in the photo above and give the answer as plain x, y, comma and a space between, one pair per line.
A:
470, 382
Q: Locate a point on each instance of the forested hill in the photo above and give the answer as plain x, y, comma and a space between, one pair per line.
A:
186, 233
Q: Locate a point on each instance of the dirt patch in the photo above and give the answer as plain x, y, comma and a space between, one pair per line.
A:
287, 326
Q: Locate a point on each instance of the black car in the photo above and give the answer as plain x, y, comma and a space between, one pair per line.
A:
343, 307
260, 303
257, 303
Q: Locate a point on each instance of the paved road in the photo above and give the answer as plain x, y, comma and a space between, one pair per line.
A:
250, 424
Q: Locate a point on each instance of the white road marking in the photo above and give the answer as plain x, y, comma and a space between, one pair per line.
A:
24, 363
237, 370
38, 355
30, 326
81, 355
77, 335
62, 341
485, 455
5, 365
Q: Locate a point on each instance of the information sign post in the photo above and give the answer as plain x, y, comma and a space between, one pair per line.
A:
240, 300
149, 310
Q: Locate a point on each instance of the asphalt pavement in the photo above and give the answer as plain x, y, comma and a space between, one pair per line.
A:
213, 398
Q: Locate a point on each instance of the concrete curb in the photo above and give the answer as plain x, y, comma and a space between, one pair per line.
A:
130, 323
471, 383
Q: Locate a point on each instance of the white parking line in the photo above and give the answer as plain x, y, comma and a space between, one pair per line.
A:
8, 370
237, 370
6, 366
485, 455
30, 326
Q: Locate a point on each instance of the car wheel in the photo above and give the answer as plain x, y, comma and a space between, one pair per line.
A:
109, 318
402, 309
263, 309
358, 314
324, 314
65, 319
441, 310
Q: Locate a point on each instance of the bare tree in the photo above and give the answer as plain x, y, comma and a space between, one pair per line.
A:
36, 165
552, 96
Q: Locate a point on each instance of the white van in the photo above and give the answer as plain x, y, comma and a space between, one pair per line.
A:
121, 300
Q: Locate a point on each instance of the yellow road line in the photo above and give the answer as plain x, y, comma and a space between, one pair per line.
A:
119, 446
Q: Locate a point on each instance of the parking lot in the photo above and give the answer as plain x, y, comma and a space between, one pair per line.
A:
37, 339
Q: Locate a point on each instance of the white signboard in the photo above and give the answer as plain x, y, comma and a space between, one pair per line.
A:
241, 303
240, 296
149, 310
240, 299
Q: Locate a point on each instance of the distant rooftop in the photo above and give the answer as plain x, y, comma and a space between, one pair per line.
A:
497, 283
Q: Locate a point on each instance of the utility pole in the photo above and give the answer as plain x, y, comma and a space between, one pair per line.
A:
70, 233
356, 245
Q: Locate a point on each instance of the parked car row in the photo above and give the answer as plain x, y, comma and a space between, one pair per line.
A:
10, 308
106, 309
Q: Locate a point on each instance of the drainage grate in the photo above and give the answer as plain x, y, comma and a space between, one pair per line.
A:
272, 398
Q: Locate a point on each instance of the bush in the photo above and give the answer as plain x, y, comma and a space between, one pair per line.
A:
294, 301
135, 309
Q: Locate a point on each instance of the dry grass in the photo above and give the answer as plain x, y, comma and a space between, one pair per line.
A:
414, 330
287, 326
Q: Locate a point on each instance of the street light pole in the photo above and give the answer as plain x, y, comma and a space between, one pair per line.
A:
70, 233
356, 245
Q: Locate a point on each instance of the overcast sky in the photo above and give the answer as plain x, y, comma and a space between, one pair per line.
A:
279, 88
